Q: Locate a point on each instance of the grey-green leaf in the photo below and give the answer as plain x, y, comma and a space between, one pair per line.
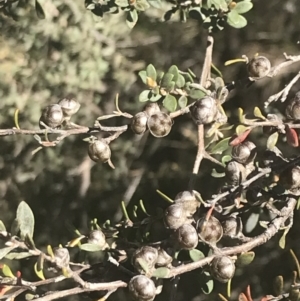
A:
143, 76
144, 96
272, 140
174, 70
151, 72
5, 251
235, 20
162, 272
245, 259
25, 219
196, 94
182, 101
18, 255
166, 80
221, 146
196, 255
180, 82
243, 7
90, 247
251, 222
170, 103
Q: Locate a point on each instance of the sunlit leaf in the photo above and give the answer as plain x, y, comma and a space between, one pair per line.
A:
272, 140
5, 251
162, 272
39, 273
182, 101
245, 259
257, 113
7, 271
91, 247
25, 219
196, 255
243, 7
2, 226
251, 222
235, 20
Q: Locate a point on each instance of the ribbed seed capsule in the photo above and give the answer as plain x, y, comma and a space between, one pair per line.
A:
99, 151
145, 255
210, 231
62, 256
222, 268
70, 106
232, 226
186, 237
175, 216
159, 124
142, 288
97, 237
235, 172
258, 67
204, 110
139, 123
188, 200
52, 116
244, 152
293, 108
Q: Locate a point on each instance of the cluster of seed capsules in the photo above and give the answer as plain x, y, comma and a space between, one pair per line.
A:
186, 231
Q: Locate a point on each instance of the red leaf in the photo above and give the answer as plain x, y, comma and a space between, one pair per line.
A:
235, 140
242, 297
291, 136
248, 293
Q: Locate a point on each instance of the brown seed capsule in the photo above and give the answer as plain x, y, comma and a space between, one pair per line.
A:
235, 172
99, 151
160, 124
204, 110
175, 216
232, 226
188, 200
62, 256
139, 123
209, 231
222, 268
97, 237
244, 152
70, 106
52, 116
292, 110
186, 237
258, 67
151, 108
290, 178
144, 258
142, 288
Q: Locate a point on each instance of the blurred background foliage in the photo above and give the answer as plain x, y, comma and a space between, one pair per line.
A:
71, 51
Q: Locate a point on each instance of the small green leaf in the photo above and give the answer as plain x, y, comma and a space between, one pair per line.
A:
170, 103
258, 114
196, 94
2, 226
235, 20
209, 284
7, 271
245, 259
154, 97
174, 70
39, 10
162, 272
17, 255
144, 96
166, 80
180, 82
272, 140
221, 146
282, 238
29, 297
132, 18
143, 265
182, 101
196, 255
151, 72
251, 222
39, 273
5, 251
243, 7
240, 129
91, 247
225, 159
278, 285
143, 76
25, 219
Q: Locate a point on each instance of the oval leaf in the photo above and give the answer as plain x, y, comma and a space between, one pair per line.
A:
5, 251
243, 7
25, 219
162, 272
151, 72
182, 101
144, 96
7, 271
251, 222
278, 285
257, 113
245, 259
180, 82
90, 247
196, 255
235, 20
2, 226
235, 140
170, 103
221, 146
